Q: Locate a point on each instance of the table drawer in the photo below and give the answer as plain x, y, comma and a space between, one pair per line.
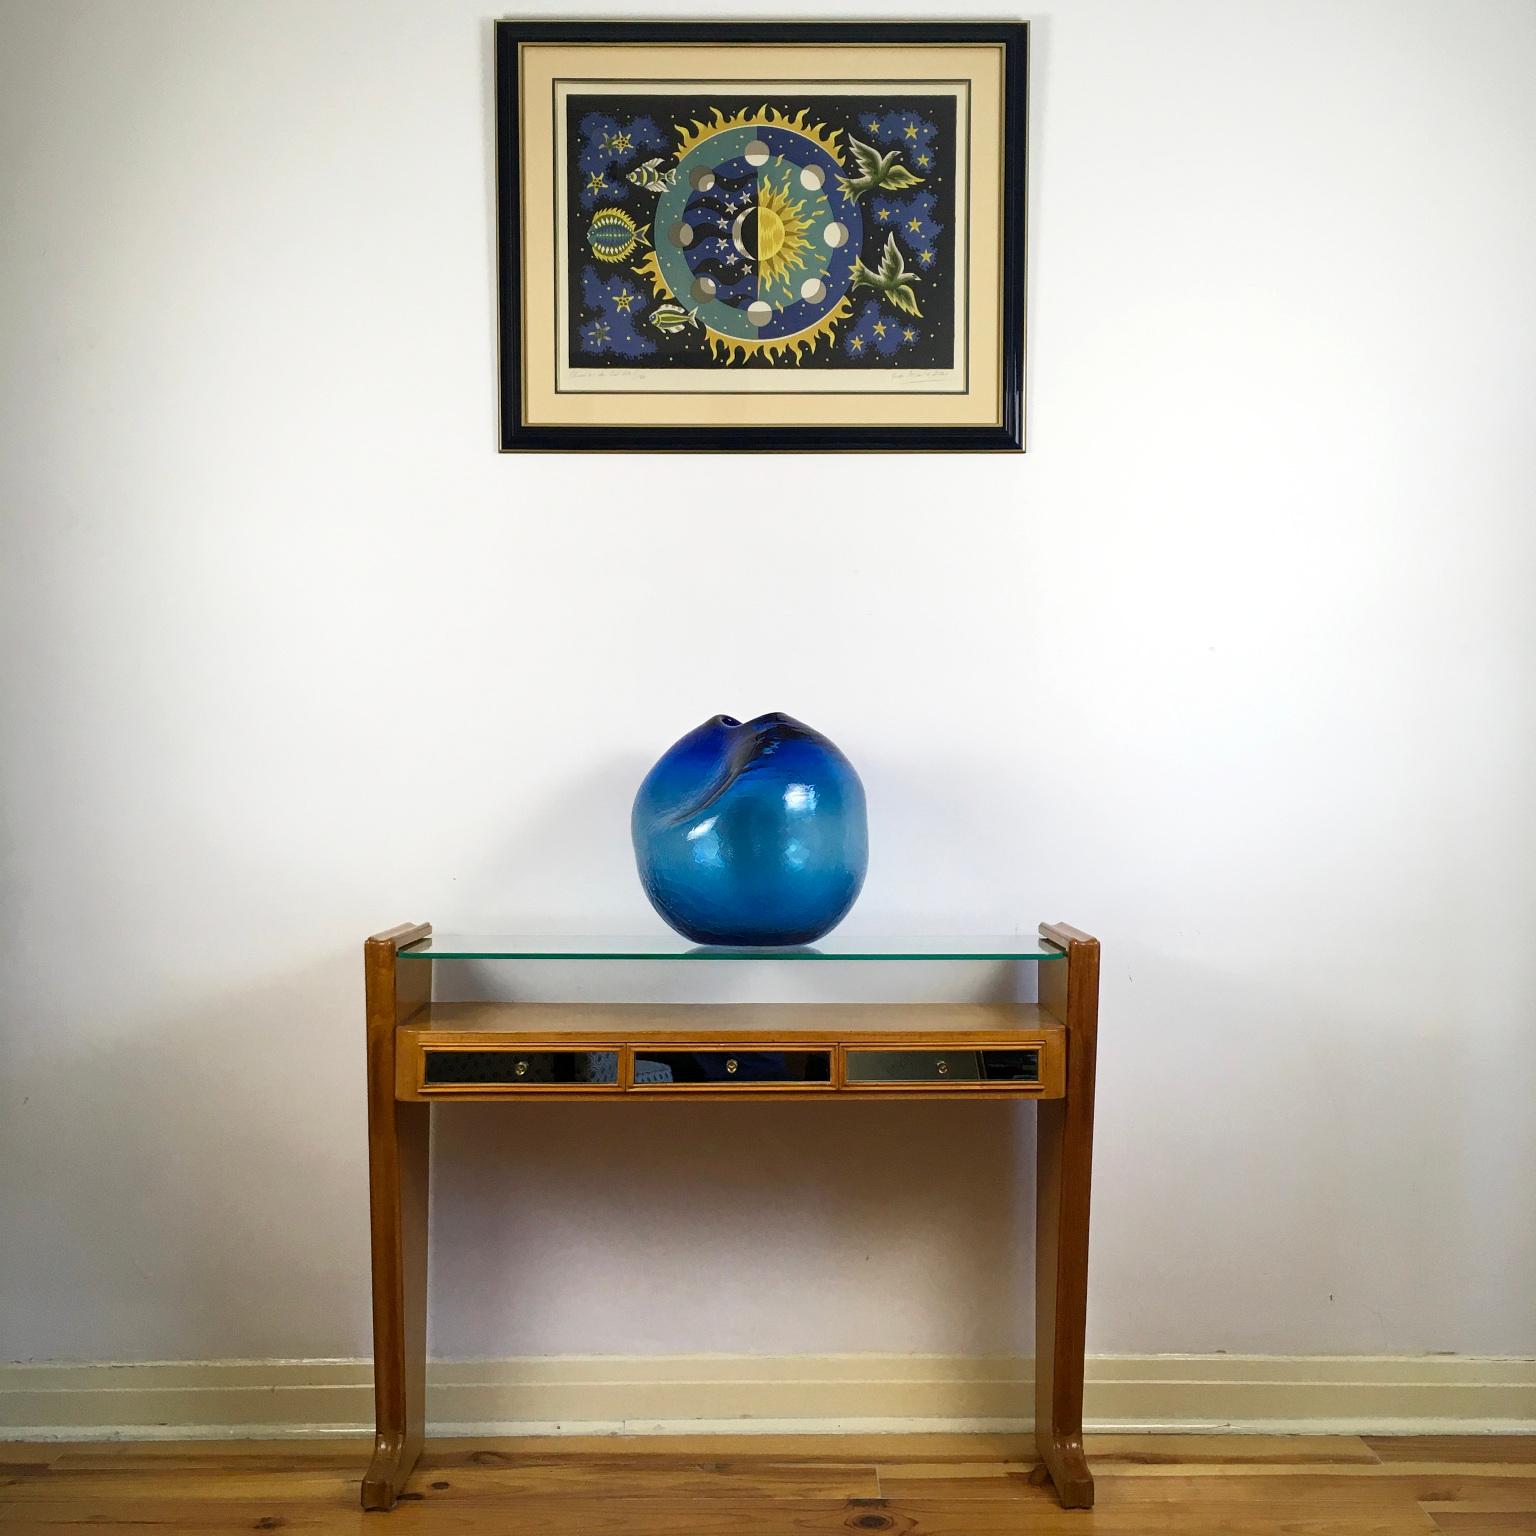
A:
449, 1069
722, 1068
943, 1066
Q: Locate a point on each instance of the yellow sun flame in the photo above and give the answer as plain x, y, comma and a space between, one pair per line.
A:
649, 266
730, 348
818, 133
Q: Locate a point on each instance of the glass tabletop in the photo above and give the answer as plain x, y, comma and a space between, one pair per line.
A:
669, 946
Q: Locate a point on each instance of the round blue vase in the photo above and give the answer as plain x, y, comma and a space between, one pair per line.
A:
752, 834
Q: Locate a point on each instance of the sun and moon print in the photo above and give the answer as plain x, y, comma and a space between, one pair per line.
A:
735, 233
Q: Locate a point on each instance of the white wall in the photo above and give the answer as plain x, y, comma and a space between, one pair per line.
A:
1233, 668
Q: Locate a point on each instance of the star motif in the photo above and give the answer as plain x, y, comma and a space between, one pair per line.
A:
883, 213
595, 182
911, 130
925, 257
623, 299
598, 332
731, 205
733, 260
874, 127
915, 224
622, 142
908, 334
857, 343
922, 159
880, 329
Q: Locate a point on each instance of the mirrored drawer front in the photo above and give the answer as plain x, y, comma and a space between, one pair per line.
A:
1018, 1065
732, 1069
449, 1069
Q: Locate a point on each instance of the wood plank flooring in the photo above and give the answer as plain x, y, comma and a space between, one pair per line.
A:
906, 1485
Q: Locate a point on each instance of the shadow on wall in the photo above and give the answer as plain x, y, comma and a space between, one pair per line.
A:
801, 1228
569, 856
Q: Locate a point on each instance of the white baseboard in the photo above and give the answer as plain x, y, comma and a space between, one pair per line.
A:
1343, 1394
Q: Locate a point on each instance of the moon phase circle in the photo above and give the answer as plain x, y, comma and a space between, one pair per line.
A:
756, 233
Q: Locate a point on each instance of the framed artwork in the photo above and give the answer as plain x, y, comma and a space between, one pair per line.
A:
786, 235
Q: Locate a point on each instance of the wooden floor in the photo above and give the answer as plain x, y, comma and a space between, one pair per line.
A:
923, 1485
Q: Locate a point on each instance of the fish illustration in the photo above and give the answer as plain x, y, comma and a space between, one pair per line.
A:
671, 318
612, 234
892, 278
650, 179
875, 170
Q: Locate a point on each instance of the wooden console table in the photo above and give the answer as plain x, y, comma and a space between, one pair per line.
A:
421, 1049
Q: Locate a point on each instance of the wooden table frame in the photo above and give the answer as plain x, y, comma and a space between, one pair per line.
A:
403, 1022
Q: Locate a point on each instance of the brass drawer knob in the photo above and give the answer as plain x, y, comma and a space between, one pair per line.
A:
943, 1067
730, 1064
521, 1069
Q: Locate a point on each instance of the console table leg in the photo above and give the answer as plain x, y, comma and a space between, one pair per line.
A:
1064, 1173
398, 1180
398, 1173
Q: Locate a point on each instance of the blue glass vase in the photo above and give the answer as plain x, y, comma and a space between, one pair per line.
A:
752, 834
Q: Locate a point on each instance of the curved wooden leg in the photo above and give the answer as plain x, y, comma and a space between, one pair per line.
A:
1061, 1285
1067, 1468
399, 1305
397, 1184
1064, 1172
393, 1458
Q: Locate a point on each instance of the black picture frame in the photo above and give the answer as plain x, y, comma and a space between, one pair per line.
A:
1006, 436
